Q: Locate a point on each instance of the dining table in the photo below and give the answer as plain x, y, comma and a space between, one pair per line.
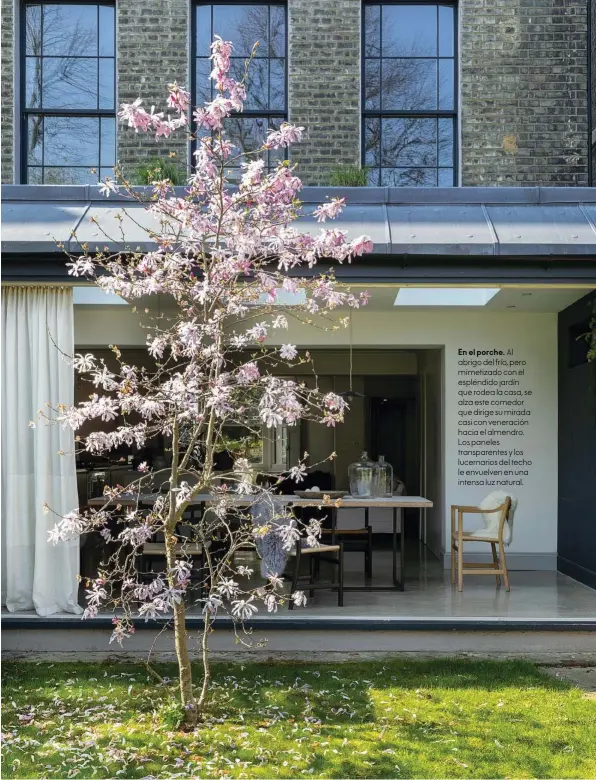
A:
393, 503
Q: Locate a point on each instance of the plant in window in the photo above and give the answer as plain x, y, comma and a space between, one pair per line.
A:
159, 169
222, 255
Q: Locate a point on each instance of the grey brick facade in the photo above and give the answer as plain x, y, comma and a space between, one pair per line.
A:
523, 85
7, 91
152, 51
324, 84
524, 92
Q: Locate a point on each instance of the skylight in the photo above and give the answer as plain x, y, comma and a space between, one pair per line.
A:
444, 296
95, 296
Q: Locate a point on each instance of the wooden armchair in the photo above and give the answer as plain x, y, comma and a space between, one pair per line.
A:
459, 536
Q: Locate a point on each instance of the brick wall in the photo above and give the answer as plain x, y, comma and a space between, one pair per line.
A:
524, 92
324, 84
152, 52
7, 91
523, 85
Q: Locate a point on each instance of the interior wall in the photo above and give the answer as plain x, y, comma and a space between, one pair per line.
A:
431, 387
532, 337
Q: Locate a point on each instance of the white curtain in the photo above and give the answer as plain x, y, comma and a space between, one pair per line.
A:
37, 324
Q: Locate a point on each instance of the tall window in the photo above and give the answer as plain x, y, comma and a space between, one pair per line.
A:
243, 25
68, 92
409, 94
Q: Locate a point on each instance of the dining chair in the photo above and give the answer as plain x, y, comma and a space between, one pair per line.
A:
497, 510
310, 581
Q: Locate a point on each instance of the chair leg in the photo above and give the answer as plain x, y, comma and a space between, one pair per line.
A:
295, 575
460, 566
503, 560
311, 574
453, 561
340, 575
496, 563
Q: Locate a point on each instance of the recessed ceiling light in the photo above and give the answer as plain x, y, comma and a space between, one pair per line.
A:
444, 296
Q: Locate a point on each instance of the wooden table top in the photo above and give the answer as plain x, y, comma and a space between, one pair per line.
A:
347, 502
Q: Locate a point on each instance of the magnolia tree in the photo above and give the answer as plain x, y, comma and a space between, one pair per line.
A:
225, 256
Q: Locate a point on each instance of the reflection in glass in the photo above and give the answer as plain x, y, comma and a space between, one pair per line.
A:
69, 30
408, 177
106, 83
33, 29
408, 95
409, 30
34, 140
446, 85
70, 175
106, 31
372, 30
277, 31
69, 82
33, 82
446, 31
71, 141
409, 142
107, 148
243, 25
409, 84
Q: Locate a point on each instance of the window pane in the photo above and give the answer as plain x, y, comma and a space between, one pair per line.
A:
445, 177
243, 25
372, 142
34, 176
275, 156
372, 30
33, 29
409, 142
108, 141
103, 172
69, 176
34, 140
445, 153
277, 85
70, 30
247, 134
409, 85
106, 83
203, 21
446, 31
408, 177
373, 177
203, 81
277, 31
257, 83
446, 86
33, 82
106, 30
372, 84
71, 141
69, 83
409, 30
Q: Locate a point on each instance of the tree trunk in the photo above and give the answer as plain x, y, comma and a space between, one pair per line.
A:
181, 640
206, 664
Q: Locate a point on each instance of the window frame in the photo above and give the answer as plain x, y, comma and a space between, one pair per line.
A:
382, 113
247, 114
91, 113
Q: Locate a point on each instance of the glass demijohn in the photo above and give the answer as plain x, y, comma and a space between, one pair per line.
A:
384, 479
362, 475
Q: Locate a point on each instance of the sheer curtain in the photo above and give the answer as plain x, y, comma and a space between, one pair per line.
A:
36, 574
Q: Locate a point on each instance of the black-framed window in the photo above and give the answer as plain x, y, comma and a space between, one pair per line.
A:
244, 24
68, 91
409, 99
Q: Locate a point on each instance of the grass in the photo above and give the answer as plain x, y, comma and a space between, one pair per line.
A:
392, 719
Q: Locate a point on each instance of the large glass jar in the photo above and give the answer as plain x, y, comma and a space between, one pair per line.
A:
362, 475
384, 478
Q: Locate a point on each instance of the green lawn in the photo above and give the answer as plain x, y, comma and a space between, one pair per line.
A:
392, 719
